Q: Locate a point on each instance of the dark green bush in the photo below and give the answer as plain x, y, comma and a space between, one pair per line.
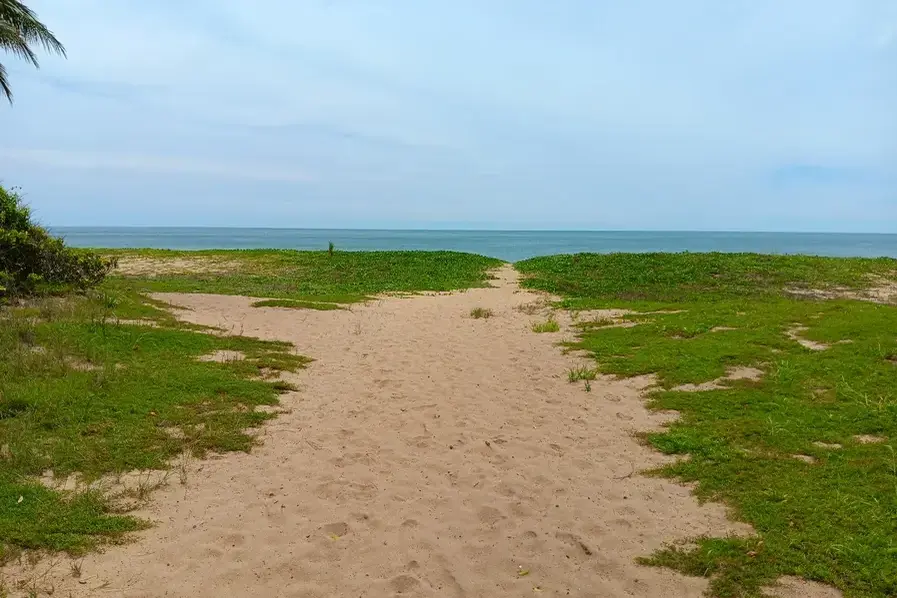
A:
34, 262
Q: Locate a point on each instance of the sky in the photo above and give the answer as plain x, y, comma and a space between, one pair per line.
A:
774, 115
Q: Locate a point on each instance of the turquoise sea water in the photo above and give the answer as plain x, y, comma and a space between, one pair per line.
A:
506, 245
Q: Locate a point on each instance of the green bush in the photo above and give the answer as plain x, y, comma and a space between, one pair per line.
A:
34, 262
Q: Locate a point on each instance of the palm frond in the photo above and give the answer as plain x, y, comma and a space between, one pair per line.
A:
22, 19
5, 89
12, 41
19, 30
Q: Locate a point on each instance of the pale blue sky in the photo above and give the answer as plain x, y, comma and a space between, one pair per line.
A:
676, 115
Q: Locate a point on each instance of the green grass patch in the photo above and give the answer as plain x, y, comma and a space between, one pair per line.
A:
549, 325
294, 304
313, 276
659, 278
481, 313
82, 392
832, 520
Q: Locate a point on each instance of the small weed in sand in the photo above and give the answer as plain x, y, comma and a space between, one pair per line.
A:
481, 313
531, 308
827, 515
549, 325
183, 468
581, 372
587, 386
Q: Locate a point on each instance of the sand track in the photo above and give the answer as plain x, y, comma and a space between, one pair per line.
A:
426, 454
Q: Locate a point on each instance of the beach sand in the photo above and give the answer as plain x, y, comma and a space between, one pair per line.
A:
426, 453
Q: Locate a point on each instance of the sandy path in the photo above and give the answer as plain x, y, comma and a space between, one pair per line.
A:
427, 454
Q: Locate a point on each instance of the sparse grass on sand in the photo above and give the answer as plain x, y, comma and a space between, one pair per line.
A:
311, 276
81, 393
481, 313
791, 453
295, 304
549, 325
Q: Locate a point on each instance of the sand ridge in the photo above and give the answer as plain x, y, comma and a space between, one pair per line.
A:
426, 453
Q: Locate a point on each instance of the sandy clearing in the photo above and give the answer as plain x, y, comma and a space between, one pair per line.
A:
795, 335
158, 266
868, 439
426, 454
882, 289
223, 356
732, 374
794, 587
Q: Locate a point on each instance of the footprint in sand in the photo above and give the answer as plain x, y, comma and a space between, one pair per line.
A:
490, 515
574, 541
403, 584
337, 530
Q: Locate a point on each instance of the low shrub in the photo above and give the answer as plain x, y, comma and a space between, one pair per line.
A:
32, 261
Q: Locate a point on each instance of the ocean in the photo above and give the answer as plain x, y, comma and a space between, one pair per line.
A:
507, 245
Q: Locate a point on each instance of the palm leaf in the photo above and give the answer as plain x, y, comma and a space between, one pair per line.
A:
5, 89
12, 41
19, 30
25, 21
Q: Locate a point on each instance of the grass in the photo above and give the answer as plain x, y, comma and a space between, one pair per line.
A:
833, 520
647, 279
581, 372
481, 313
313, 276
83, 393
283, 387
295, 304
549, 325
597, 323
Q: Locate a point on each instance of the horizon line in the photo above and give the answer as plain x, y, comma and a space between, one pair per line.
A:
460, 230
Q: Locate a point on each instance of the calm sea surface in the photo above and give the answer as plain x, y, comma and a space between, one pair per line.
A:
507, 245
